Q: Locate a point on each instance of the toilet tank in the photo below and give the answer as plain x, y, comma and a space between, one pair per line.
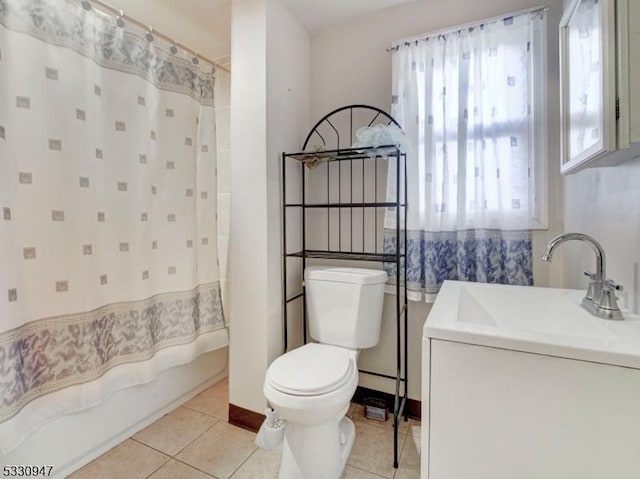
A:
344, 305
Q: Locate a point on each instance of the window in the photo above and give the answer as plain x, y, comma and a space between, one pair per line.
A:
472, 102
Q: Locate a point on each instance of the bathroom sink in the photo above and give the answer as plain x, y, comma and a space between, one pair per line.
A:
545, 321
528, 372
537, 310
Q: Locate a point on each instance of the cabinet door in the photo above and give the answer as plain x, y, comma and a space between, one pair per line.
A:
588, 89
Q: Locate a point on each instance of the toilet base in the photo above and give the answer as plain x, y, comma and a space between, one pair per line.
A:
317, 452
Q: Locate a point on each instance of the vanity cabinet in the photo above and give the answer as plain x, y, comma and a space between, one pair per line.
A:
502, 414
521, 382
599, 83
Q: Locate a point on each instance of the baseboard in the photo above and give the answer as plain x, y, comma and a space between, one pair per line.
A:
245, 418
413, 406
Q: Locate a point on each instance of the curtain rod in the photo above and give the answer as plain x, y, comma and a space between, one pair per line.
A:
120, 14
444, 31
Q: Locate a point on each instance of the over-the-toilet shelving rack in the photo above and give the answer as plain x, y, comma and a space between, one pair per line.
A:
357, 211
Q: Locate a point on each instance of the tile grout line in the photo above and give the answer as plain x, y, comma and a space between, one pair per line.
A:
403, 441
199, 436
208, 415
150, 447
174, 456
226, 396
243, 462
194, 467
218, 420
182, 449
161, 465
364, 470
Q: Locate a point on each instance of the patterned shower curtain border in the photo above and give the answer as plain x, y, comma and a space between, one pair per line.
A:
50, 354
63, 23
479, 255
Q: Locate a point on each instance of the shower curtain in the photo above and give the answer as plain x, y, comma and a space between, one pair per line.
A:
108, 241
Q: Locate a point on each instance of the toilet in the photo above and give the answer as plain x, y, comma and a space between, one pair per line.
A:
311, 387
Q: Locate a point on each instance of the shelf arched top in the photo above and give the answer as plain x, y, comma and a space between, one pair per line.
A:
336, 129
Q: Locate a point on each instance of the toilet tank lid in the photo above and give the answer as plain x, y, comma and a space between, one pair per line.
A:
345, 275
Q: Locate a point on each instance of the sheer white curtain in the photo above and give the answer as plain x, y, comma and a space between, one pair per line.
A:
471, 102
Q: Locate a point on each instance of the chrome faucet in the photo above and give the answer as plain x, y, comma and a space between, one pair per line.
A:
600, 299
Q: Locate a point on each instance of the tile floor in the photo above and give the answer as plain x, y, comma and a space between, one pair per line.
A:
195, 441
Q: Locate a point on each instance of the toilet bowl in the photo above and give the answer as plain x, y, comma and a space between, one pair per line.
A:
311, 387
312, 383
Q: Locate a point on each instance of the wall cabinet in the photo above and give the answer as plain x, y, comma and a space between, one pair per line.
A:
600, 83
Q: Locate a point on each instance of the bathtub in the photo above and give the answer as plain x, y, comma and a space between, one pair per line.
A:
73, 440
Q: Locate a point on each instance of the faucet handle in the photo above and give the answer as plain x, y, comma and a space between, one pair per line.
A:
589, 296
608, 304
611, 284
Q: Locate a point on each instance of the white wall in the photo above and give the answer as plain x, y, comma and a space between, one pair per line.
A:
223, 144
605, 203
269, 94
247, 257
288, 82
349, 64
201, 26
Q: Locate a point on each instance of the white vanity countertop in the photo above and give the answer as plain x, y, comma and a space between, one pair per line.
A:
536, 320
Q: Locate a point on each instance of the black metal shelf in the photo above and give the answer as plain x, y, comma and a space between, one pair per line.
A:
341, 154
358, 229
345, 255
380, 375
379, 204
293, 298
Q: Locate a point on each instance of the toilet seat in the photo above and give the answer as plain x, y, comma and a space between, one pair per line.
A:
311, 370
